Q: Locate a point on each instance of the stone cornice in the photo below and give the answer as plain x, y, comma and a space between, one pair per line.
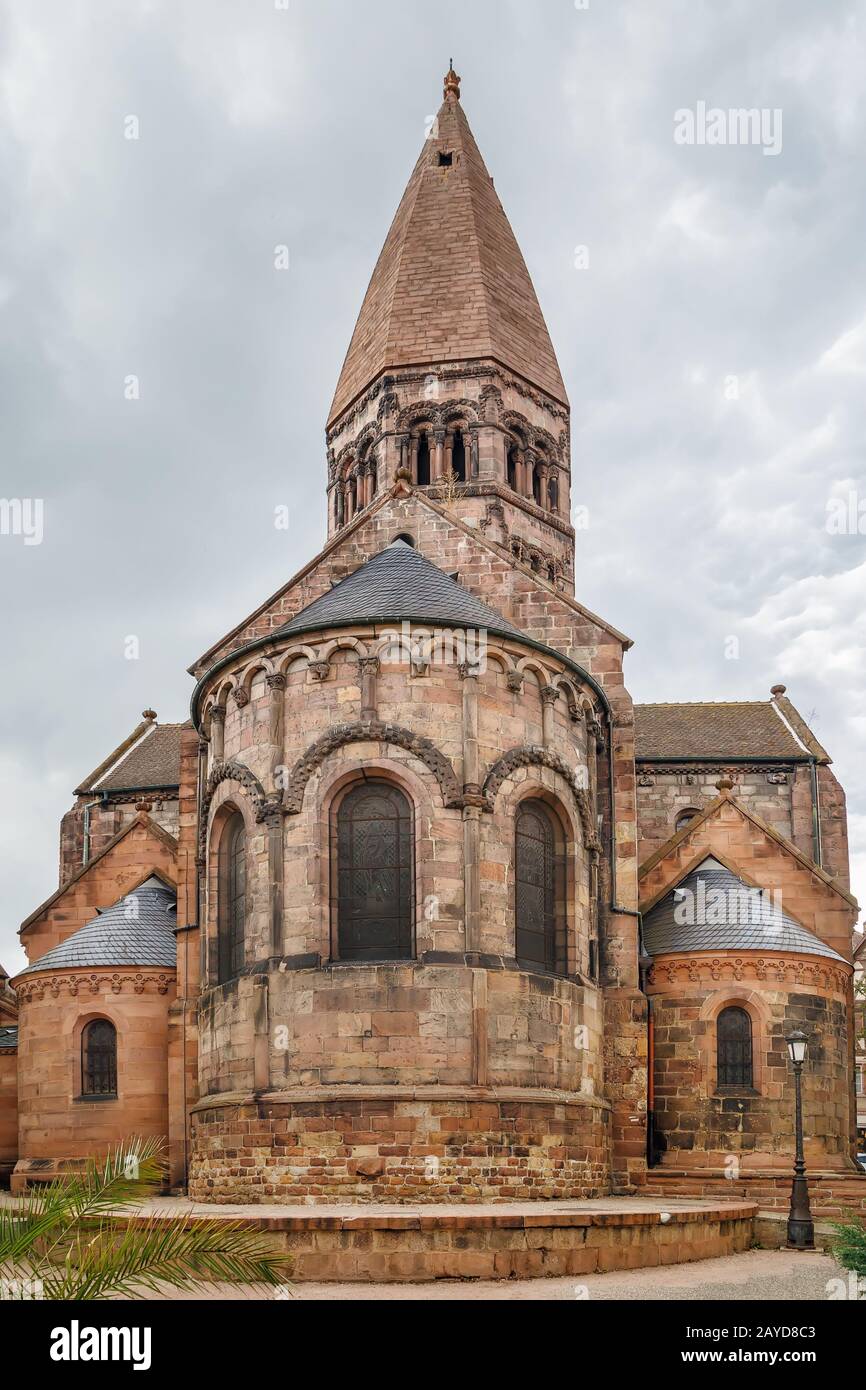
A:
84, 981
726, 967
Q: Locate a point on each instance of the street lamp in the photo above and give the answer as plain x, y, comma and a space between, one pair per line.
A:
801, 1228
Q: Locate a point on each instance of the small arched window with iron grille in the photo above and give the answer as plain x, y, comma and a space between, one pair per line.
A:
734, 1049
99, 1058
232, 898
373, 864
539, 873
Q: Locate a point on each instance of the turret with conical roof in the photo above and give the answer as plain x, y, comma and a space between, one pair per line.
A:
451, 380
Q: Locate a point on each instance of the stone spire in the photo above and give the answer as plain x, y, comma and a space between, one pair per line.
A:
450, 284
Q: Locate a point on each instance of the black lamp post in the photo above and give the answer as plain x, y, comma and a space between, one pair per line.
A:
801, 1228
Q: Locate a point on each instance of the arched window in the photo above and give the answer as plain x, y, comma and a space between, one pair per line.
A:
458, 457
511, 467
232, 898
539, 890
734, 1048
424, 460
686, 817
99, 1058
553, 493
374, 874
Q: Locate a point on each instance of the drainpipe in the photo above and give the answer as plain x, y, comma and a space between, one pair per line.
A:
817, 847
85, 851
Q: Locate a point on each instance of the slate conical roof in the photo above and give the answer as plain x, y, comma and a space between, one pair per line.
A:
713, 910
451, 283
398, 585
137, 930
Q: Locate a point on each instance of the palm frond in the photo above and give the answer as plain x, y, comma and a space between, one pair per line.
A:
161, 1250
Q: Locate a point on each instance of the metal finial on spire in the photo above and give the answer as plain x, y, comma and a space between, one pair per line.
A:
452, 82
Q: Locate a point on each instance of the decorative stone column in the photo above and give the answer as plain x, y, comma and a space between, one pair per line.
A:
369, 667
217, 735
438, 454
549, 696
276, 718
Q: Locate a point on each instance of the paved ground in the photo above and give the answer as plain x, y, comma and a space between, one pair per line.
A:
755, 1276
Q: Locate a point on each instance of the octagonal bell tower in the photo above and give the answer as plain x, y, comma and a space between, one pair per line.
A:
451, 379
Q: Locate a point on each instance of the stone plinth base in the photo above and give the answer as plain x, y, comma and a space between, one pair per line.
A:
831, 1193
422, 1144
360, 1244
30, 1171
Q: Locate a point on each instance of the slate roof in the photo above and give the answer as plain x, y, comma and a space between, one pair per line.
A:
8, 1039
451, 283
121, 935
744, 729
741, 919
399, 584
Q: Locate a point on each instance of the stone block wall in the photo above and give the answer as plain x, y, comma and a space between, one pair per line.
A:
705, 1127
55, 1121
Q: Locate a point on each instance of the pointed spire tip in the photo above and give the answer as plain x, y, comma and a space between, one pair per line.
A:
452, 82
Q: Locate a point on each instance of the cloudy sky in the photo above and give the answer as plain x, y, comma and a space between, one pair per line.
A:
714, 346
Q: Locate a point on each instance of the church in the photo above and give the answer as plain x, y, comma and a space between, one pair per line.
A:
417, 905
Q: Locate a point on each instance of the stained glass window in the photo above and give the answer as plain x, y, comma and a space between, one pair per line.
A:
734, 1048
99, 1058
374, 874
233, 899
539, 924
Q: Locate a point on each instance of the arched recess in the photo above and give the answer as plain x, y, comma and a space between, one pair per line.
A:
758, 1010
96, 1071
262, 808
238, 790
372, 871
232, 894
542, 757
372, 732
541, 916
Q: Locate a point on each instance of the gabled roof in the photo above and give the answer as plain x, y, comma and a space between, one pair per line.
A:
398, 585
147, 760
739, 729
142, 819
136, 931
712, 909
451, 283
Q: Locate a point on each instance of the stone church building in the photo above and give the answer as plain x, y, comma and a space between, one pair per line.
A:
418, 905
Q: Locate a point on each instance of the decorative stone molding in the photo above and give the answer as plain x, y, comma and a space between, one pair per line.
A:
120, 982
705, 769
447, 372
530, 756
241, 697
264, 809
372, 731
808, 972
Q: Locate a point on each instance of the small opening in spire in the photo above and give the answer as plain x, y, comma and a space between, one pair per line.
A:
446, 160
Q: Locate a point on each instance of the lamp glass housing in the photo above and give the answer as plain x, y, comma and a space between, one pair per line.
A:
797, 1044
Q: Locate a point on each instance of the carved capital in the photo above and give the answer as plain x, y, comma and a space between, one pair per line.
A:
277, 682
514, 680
319, 670
369, 665
217, 714
549, 694
241, 697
